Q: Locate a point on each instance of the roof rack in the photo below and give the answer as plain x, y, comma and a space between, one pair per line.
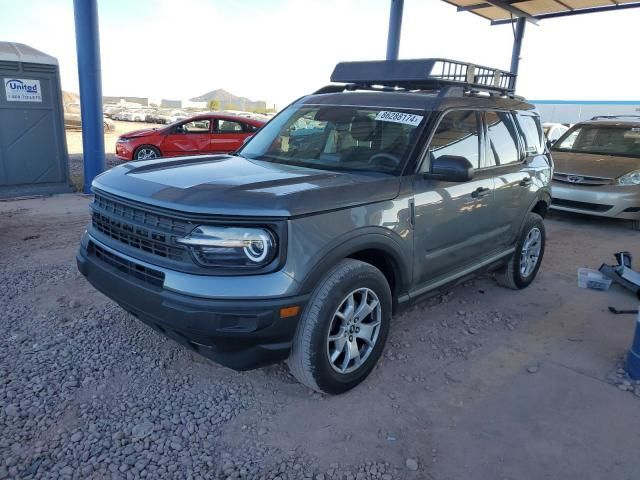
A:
613, 117
424, 74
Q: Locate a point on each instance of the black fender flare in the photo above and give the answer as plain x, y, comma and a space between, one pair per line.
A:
368, 238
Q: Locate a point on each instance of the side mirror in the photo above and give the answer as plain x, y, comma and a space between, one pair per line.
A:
451, 168
550, 143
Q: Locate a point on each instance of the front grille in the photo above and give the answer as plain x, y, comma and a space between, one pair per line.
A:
132, 269
575, 179
140, 216
592, 207
139, 229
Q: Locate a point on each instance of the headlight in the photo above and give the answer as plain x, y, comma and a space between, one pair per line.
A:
632, 178
123, 140
231, 246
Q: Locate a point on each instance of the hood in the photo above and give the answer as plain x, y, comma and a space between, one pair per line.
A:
231, 185
140, 133
594, 165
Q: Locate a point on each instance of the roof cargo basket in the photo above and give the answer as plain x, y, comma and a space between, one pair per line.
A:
424, 74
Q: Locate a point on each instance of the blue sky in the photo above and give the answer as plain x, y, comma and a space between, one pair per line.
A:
278, 50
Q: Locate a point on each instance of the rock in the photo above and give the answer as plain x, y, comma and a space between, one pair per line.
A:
411, 464
142, 430
74, 304
11, 410
76, 437
533, 368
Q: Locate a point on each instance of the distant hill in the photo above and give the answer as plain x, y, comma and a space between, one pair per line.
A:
229, 101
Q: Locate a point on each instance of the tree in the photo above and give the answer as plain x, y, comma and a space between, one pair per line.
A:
230, 106
213, 105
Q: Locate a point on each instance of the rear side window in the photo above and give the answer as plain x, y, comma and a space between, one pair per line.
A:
229, 126
458, 134
532, 131
502, 143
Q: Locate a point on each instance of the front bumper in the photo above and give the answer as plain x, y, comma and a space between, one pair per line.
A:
241, 333
614, 201
124, 151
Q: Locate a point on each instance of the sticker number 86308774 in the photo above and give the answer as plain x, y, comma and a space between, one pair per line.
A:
399, 117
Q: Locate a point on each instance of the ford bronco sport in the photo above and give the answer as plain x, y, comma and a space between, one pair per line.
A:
407, 177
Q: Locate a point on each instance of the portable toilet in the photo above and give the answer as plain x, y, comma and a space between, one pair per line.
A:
33, 150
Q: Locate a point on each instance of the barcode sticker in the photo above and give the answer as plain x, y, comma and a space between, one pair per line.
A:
400, 117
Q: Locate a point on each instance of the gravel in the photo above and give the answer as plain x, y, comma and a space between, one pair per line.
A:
621, 379
87, 391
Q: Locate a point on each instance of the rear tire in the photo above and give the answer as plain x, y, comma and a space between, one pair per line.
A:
524, 264
146, 152
343, 329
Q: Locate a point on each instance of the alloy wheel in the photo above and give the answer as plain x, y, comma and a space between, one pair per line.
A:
530, 253
354, 330
146, 154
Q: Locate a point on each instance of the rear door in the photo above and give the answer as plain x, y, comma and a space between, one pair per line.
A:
454, 222
508, 156
188, 138
227, 136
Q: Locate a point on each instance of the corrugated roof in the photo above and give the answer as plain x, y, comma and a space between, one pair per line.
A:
501, 11
18, 52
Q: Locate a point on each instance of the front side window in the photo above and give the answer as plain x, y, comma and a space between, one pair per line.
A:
502, 144
335, 137
601, 139
457, 134
533, 136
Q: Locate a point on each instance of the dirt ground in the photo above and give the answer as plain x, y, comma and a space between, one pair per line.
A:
480, 383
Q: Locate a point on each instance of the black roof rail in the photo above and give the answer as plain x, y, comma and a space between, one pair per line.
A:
424, 74
614, 117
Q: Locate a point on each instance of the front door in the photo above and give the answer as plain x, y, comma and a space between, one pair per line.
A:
454, 222
227, 137
188, 138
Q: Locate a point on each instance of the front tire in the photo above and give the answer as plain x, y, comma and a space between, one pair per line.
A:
524, 264
635, 224
343, 329
146, 152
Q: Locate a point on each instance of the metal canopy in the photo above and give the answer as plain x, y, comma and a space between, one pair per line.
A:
508, 11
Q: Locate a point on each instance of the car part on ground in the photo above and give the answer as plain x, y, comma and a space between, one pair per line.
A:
623, 273
622, 312
348, 206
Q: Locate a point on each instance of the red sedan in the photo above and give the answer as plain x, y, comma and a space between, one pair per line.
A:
197, 135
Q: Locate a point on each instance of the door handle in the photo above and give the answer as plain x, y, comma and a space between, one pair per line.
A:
480, 192
526, 182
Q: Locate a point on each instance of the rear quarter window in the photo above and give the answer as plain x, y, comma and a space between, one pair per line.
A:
531, 130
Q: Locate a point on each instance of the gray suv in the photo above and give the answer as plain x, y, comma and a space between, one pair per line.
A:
353, 202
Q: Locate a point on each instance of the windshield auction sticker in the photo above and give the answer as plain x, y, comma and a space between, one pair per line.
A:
22, 90
399, 117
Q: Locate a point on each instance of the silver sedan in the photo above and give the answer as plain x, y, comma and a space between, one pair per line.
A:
597, 169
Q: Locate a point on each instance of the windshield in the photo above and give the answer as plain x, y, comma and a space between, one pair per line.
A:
337, 138
602, 139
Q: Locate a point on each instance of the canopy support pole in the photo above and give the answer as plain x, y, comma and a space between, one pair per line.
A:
395, 25
89, 76
517, 47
